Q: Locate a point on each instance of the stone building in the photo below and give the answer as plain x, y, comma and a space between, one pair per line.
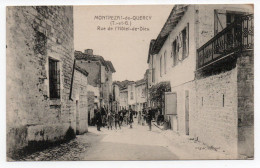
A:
205, 52
80, 98
116, 97
131, 96
123, 93
141, 94
100, 77
123, 101
42, 106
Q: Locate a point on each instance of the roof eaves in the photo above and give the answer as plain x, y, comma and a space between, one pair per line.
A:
175, 16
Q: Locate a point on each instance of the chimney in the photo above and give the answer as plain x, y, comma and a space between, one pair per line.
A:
89, 51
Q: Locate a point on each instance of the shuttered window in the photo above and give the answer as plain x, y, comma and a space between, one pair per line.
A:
174, 52
54, 79
185, 42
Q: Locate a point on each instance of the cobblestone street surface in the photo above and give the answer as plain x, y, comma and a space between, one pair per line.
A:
137, 143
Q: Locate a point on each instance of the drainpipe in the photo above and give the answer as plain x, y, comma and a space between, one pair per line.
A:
72, 79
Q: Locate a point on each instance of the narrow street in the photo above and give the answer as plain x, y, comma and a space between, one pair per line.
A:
137, 143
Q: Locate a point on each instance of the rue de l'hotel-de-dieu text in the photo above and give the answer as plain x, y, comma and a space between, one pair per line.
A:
122, 23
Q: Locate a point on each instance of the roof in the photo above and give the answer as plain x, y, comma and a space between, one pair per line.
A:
175, 16
111, 67
140, 82
150, 49
83, 56
123, 84
81, 69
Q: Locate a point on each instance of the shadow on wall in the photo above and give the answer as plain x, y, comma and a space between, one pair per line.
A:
34, 146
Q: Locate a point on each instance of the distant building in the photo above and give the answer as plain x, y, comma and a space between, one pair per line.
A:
99, 79
123, 101
123, 93
205, 54
141, 95
42, 105
116, 97
131, 96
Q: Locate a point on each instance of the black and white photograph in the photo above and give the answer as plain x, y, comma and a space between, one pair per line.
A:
130, 82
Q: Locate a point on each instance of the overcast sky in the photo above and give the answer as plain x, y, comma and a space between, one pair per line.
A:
128, 50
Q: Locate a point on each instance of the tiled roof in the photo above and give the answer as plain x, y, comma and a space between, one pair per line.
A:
111, 67
140, 82
82, 56
175, 16
123, 84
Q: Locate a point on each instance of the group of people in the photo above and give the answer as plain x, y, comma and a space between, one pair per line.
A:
104, 118
146, 116
110, 119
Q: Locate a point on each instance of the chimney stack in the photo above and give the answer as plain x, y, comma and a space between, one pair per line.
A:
89, 51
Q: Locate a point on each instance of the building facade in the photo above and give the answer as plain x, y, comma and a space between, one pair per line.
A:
123, 99
131, 96
80, 98
197, 53
100, 76
141, 95
116, 97
41, 106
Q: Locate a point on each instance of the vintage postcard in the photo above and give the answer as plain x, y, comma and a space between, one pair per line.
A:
130, 82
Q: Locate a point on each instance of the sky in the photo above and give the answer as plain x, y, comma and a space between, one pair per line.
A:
127, 50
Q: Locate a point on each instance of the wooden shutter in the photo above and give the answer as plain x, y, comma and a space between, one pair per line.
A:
170, 103
180, 46
220, 20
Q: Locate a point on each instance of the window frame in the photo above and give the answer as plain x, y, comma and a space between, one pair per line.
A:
57, 85
185, 42
174, 49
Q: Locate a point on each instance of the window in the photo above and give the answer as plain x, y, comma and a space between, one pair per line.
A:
174, 49
223, 18
143, 92
54, 79
185, 42
132, 96
165, 55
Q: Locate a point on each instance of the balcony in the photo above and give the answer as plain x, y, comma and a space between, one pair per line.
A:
236, 37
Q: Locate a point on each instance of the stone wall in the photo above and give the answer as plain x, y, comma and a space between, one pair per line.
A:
33, 35
93, 68
216, 116
81, 100
245, 98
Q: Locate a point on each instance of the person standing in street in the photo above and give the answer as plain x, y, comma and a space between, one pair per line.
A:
109, 120
131, 119
98, 119
144, 117
149, 118
117, 120
121, 118
139, 117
